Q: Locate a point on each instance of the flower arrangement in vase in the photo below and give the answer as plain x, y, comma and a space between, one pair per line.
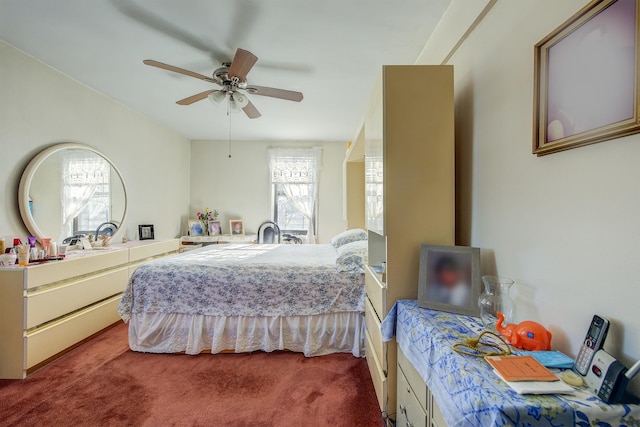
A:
206, 216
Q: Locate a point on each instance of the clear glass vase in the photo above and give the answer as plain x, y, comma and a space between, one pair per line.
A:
494, 299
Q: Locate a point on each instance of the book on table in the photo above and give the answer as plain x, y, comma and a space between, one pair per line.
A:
520, 368
526, 375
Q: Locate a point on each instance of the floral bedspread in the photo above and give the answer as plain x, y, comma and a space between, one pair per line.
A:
469, 393
245, 280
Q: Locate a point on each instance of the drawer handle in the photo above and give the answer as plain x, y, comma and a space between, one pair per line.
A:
403, 410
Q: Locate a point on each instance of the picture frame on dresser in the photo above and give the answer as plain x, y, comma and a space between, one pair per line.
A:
146, 232
586, 78
195, 228
450, 279
215, 228
236, 227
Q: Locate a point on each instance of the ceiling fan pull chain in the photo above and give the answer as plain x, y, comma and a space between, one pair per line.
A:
229, 116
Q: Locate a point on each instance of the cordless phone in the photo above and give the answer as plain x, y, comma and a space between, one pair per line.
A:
592, 343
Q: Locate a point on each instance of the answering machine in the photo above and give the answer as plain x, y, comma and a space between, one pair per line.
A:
605, 376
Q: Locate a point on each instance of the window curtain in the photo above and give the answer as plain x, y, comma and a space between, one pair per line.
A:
81, 176
297, 171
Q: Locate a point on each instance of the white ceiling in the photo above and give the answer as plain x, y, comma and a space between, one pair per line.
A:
331, 50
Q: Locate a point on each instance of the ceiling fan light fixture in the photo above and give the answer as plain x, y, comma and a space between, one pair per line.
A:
217, 96
233, 106
240, 99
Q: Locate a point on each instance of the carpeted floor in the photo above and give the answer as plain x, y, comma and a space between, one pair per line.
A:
102, 383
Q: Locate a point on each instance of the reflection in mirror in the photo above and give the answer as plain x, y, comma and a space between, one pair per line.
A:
71, 189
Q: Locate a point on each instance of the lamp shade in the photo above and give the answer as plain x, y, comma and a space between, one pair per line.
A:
239, 99
217, 96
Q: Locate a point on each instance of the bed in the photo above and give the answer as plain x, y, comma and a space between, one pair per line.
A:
243, 298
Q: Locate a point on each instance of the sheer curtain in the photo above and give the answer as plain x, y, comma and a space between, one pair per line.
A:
297, 171
82, 173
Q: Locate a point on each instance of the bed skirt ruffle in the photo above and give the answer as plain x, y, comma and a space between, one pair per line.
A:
192, 333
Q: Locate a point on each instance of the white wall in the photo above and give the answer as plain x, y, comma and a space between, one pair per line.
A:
239, 187
40, 107
564, 226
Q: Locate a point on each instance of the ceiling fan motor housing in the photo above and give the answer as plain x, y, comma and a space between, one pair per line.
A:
221, 76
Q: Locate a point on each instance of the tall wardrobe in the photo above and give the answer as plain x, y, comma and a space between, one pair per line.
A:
409, 195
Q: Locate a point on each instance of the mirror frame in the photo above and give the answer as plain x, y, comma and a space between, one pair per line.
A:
29, 172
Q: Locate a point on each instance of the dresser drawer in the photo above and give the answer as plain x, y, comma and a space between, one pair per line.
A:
414, 379
153, 250
49, 304
375, 334
43, 343
376, 291
51, 272
377, 373
437, 419
409, 411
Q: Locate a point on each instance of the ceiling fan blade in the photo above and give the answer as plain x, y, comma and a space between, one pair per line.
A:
178, 70
289, 95
195, 98
251, 111
242, 63
245, 14
153, 20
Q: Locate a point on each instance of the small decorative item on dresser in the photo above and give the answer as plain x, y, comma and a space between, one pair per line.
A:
237, 227
195, 228
145, 232
527, 335
205, 217
494, 299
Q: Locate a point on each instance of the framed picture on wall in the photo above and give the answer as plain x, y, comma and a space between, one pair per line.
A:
215, 229
195, 228
237, 227
449, 279
145, 232
586, 78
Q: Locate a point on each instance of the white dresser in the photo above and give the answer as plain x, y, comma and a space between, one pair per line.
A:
416, 406
48, 308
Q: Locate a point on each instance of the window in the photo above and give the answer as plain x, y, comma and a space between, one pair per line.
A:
97, 210
85, 193
288, 218
294, 186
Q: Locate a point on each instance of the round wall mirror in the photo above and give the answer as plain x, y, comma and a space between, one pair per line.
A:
69, 190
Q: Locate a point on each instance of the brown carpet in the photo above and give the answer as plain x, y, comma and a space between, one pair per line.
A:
103, 383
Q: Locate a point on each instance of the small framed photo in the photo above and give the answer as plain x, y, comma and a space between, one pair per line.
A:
237, 227
145, 232
450, 279
215, 229
195, 228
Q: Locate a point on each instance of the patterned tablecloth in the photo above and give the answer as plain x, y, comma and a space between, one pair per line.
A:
467, 390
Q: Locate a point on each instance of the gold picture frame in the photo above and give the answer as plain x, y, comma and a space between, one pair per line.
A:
236, 227
586, 86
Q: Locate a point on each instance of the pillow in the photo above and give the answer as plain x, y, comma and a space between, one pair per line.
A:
348, 236
352, 257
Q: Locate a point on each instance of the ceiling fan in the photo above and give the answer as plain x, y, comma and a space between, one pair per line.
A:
232, 79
